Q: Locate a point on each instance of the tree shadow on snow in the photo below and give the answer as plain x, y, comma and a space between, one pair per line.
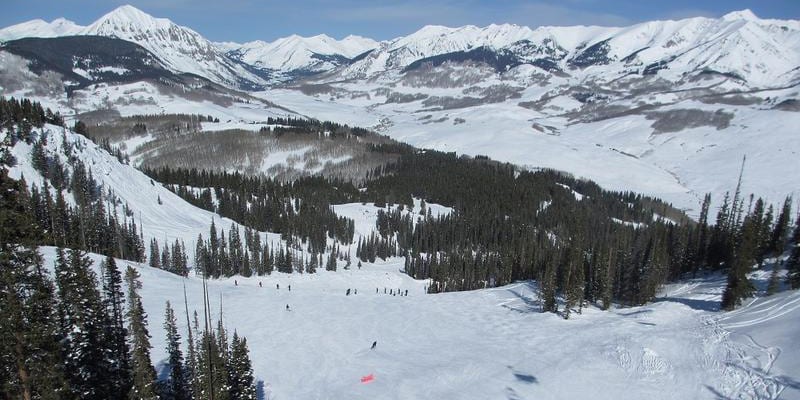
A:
788, 381
717, 394
529, 379
512, 394
697, 304
523, 377
634, 313
529, 303
260, 392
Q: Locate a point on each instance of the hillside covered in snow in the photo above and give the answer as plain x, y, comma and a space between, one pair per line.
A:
644, 107
396, 278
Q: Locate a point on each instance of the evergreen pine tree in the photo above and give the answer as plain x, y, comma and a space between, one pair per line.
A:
176, 386
793, 263
155, 254
30, 358
116, 333
83, 325
144, 375
739, 286
241, 381
781, 230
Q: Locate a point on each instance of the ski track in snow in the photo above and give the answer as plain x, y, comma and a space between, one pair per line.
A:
485, 344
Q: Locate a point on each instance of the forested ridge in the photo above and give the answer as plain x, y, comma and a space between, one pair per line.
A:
75, 334
580, 242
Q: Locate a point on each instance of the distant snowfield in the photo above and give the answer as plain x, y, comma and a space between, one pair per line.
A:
485, 344
621, 153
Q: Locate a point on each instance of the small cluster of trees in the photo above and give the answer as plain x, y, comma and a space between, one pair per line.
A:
313, 126
171, 258
246, 256
160, 125
25, 114
301, 209
93, 223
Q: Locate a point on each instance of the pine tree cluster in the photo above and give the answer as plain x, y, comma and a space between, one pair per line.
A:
75, 339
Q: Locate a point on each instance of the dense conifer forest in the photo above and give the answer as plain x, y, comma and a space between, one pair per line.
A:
580, 242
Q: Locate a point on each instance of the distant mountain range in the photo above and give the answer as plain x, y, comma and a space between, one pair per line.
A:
758, 52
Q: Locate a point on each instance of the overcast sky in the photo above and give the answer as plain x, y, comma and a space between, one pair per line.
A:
246, 20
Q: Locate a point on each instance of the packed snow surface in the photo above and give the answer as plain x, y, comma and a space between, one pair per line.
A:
486, 344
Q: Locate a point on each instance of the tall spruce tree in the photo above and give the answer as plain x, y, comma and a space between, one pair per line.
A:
240, 372
30, 362
144, 375
738, 285
83, 325
116, 333
177, 387
793, 263
781, 230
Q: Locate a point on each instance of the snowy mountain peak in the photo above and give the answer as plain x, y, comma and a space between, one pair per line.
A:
40, 28
128, 14
295, 52
180, 48
745, 14
126, 20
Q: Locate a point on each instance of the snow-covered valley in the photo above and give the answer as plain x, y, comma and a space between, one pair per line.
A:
669, 109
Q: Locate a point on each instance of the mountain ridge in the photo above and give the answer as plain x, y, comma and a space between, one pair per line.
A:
738, 43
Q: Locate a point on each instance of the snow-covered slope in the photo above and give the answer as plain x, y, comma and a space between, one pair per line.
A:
664, 107
180, 48
679, 347
161, 213
764, 53
758, 51
297, 53
40, 28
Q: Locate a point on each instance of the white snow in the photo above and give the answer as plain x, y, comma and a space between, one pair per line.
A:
173, 219
491, 343
486, 344
40, 28
297, 52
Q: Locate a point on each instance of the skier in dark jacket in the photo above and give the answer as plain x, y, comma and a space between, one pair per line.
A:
375, 343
